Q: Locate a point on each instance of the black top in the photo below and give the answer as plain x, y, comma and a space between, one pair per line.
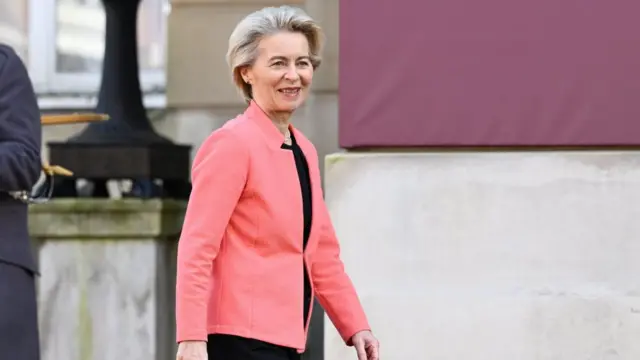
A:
302, 168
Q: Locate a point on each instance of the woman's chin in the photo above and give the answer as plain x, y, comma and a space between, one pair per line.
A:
290, 105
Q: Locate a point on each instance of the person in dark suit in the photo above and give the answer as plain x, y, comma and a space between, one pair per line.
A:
20, 165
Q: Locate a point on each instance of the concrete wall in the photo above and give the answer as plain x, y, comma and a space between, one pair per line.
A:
492, 256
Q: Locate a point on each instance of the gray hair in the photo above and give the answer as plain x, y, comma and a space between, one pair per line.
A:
244, 40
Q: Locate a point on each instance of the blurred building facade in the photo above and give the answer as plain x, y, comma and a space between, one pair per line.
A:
182, 44
477, 254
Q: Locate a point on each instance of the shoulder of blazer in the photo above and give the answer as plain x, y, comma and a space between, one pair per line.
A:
231, 129
14, 73
7, 57
243, 128
238, 134
6, 53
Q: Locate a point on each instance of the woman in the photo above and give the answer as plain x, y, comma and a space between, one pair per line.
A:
257, 243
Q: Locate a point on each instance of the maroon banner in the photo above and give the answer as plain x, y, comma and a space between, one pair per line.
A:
492, 72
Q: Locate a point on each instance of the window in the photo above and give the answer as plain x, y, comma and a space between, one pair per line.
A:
63, 43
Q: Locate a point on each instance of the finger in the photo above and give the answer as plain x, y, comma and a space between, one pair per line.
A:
362, 354
373, 351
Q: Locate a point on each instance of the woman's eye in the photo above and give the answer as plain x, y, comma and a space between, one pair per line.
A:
303, 64
278, 63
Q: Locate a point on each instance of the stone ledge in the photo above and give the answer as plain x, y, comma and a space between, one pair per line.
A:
107, 205
126, 219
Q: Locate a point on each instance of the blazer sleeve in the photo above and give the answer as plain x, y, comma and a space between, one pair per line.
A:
20, 127
333, 287
219, 175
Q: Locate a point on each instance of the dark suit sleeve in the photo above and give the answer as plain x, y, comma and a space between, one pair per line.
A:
20, 128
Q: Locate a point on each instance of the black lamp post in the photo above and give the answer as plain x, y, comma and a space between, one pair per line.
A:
125, 146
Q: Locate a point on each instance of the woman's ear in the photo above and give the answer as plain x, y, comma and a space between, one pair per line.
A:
245, 72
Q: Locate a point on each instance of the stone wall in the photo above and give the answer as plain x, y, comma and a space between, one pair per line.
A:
491, 255
107, 284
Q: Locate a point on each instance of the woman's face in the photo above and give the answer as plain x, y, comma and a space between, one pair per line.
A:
281, 75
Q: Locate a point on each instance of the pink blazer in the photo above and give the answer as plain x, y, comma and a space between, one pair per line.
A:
240, 256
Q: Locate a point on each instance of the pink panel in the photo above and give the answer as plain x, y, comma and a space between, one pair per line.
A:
491, 72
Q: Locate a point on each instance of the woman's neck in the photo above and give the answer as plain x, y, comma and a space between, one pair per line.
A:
279, 118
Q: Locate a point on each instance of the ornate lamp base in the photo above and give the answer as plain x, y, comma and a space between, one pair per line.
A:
125, 146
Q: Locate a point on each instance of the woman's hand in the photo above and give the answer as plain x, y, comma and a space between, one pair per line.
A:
192, 350
367, 346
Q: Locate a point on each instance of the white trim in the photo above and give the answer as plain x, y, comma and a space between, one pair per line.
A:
42, 59
89, 102
150, 81
41, 32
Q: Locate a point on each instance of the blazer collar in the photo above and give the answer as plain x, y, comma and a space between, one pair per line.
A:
270, 131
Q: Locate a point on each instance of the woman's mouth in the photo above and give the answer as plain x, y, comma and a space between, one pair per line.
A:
290, 92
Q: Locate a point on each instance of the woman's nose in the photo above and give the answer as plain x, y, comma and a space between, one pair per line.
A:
292, 74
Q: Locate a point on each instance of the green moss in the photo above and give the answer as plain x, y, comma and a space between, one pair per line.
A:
89, 205
73, 219
333, 159
85, 326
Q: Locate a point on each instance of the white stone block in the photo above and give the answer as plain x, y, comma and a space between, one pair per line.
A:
107, 284
491, 256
